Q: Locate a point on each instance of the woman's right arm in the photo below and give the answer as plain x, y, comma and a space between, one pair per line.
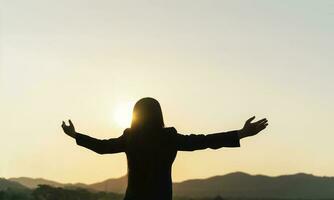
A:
114, 145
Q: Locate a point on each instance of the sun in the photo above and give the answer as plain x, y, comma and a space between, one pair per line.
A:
123, 114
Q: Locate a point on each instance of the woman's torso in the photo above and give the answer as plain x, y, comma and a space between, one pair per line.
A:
150, 156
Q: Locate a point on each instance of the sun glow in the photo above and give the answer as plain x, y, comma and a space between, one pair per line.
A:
123, 114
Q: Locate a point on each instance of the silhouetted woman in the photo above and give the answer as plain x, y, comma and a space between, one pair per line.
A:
151, 148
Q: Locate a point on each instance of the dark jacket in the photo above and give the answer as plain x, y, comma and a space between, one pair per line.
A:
150, 156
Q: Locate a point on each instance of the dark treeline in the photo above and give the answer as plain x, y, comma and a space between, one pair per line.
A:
45, 192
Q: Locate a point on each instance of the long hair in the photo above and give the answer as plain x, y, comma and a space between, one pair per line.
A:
147, 114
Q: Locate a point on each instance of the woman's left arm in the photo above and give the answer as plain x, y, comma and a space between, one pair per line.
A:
217, 140
213, 141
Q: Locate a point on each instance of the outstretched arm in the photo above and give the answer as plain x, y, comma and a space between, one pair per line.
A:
213, 141
217, 140
114, 145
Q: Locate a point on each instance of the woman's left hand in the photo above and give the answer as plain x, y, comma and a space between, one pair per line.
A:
251, 129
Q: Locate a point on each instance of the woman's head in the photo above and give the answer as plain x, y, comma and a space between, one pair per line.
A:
147, 114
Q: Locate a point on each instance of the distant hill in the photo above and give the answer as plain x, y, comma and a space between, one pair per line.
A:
248, 186
7, 184
238, 185
117, 185
33, 183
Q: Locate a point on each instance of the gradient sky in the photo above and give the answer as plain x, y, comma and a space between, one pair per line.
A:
211, 64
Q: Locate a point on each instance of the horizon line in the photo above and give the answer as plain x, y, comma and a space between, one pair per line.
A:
120, 177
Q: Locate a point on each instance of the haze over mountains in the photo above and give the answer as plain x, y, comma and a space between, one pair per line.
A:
236, 184
7, 184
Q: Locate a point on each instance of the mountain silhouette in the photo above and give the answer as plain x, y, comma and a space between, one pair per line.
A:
235, 185
32, 183
243, 185
7, 184
117, 185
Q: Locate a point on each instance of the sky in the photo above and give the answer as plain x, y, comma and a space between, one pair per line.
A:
211, 64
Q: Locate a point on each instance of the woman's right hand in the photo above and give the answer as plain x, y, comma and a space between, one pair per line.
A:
69, 130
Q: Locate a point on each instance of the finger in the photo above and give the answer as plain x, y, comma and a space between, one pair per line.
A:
250, 119
71, 124
63, 124
261, 127
264, 124
261, 121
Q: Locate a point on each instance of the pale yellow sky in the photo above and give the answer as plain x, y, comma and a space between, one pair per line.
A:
211, 64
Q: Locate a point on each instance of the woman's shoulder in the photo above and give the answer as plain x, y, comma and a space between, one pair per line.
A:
170, 130
126, 132
167, 130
